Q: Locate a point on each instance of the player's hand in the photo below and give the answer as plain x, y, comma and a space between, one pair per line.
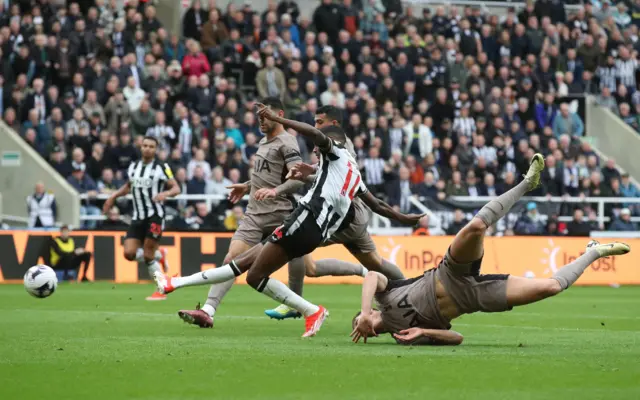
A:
79, 251
408, 335
238, 191
264, 194
301, 171
264, 111
108, 205
414, 219
363, 329
160, 197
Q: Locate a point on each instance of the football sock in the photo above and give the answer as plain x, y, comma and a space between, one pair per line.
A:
499, 207
391, 271
296, 275
209, 309
282, 294
140, 255
213, 275
333, 267
569, 274
216, 294
158, 255
152, 267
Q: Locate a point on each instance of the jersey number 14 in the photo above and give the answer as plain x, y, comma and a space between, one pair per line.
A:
347, 182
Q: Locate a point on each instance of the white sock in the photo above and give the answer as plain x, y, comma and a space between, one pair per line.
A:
158, 255
364, 271
153, 267
140, 255
208, 277
282, 294
208, 308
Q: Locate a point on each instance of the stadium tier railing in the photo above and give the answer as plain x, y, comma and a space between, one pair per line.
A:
381, 224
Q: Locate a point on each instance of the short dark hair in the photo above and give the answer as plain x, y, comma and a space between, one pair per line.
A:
333, 113
274, 102
153, 138
335, 133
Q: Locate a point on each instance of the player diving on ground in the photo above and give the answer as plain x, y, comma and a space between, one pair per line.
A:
420, 310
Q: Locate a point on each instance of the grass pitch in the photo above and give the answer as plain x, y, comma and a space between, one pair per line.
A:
100, 341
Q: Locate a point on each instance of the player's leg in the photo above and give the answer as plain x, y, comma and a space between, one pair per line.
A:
131, 247
80, 261
523, 291
272, 257
467, 246
373, 261
149, 247
219, 290
297, 269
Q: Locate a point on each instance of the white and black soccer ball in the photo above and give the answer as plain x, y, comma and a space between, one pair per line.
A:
40, 281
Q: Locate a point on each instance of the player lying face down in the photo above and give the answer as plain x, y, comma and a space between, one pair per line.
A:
420, 310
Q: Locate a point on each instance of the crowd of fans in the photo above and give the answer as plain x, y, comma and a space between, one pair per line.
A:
450, 102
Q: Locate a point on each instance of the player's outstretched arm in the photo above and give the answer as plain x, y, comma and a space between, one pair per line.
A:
381, 208
123, 191
433, 337
317, 137
172, 191
373, 283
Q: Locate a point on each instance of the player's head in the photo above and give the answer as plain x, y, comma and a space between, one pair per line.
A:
64, 231
149, 147
328, 115
335, 133
275, 104
376, 317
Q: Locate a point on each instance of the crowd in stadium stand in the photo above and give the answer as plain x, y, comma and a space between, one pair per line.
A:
450, 102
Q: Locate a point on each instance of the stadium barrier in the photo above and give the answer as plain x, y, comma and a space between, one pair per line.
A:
195, 251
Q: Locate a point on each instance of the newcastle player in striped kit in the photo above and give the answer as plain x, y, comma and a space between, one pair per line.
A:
320, 213
147, 182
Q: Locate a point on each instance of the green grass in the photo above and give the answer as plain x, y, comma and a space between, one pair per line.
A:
100, 341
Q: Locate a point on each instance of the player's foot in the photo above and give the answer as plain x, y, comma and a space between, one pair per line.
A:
164, 260
535, 169
156, 297
196, 317
163, 282
609, 249
282, 312
314, 322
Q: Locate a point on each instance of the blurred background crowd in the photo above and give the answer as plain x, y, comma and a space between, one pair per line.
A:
453, 101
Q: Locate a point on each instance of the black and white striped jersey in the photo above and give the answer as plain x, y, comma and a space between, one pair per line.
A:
337, 182
147, 180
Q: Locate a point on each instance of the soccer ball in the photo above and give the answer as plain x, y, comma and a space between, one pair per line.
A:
40, 281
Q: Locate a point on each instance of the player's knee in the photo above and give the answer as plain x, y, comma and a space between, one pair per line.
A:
550, 287
130, 255
227, 259
254, 279
310, 270
149, 255
476, 227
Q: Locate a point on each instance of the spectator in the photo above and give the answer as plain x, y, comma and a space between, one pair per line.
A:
578, 226
199, 161
233, 218
214, 33
624, 223
197, 184
552, 178
270, 80
218, 184
133, 94
373, 169
162, 132
418, 138
195, 63
459, 222
193, 21
142, 119
83, 184
530, 223
567, 122
117, 112
456, 187
113, 221
604, 99
42, 208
